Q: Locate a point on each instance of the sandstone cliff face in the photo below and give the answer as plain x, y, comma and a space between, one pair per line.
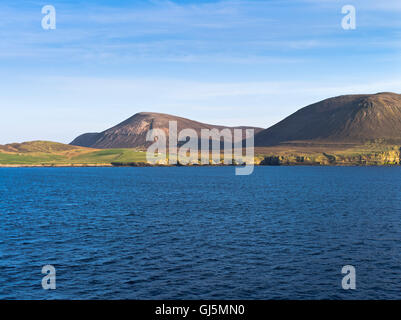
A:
379, 158
390, 157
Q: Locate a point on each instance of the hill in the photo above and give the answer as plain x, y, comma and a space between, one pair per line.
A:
347, 121
47, 153
345, 130
131, 133
39, 146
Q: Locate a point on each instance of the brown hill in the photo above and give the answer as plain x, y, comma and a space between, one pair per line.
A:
132, 132
40, 147
349, 119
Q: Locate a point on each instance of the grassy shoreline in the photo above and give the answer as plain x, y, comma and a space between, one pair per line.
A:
51, 154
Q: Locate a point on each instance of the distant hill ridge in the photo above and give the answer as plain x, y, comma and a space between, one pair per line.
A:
344, 119
38, 146
132, 132
347, 119
360, 129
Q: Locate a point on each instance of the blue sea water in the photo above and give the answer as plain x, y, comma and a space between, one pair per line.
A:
200, 233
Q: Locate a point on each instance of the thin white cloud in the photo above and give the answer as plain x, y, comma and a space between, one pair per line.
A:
60, 108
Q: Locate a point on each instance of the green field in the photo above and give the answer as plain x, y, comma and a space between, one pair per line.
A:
45, 153
51, 153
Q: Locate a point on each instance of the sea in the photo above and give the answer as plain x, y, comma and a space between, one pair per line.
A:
200, 233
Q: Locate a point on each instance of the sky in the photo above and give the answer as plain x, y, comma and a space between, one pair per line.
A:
227, 62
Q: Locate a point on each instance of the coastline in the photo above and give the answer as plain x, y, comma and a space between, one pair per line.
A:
105, 165
52, 154
71, 165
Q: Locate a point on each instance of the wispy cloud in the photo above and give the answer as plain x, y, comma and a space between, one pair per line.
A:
60, 108
214, 61
237, 29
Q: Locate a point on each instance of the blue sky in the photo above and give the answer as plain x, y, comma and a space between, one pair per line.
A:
222, 62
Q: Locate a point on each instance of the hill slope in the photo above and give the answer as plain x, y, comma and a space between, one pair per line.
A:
47, 153
40, 146
350, 119
131, 133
